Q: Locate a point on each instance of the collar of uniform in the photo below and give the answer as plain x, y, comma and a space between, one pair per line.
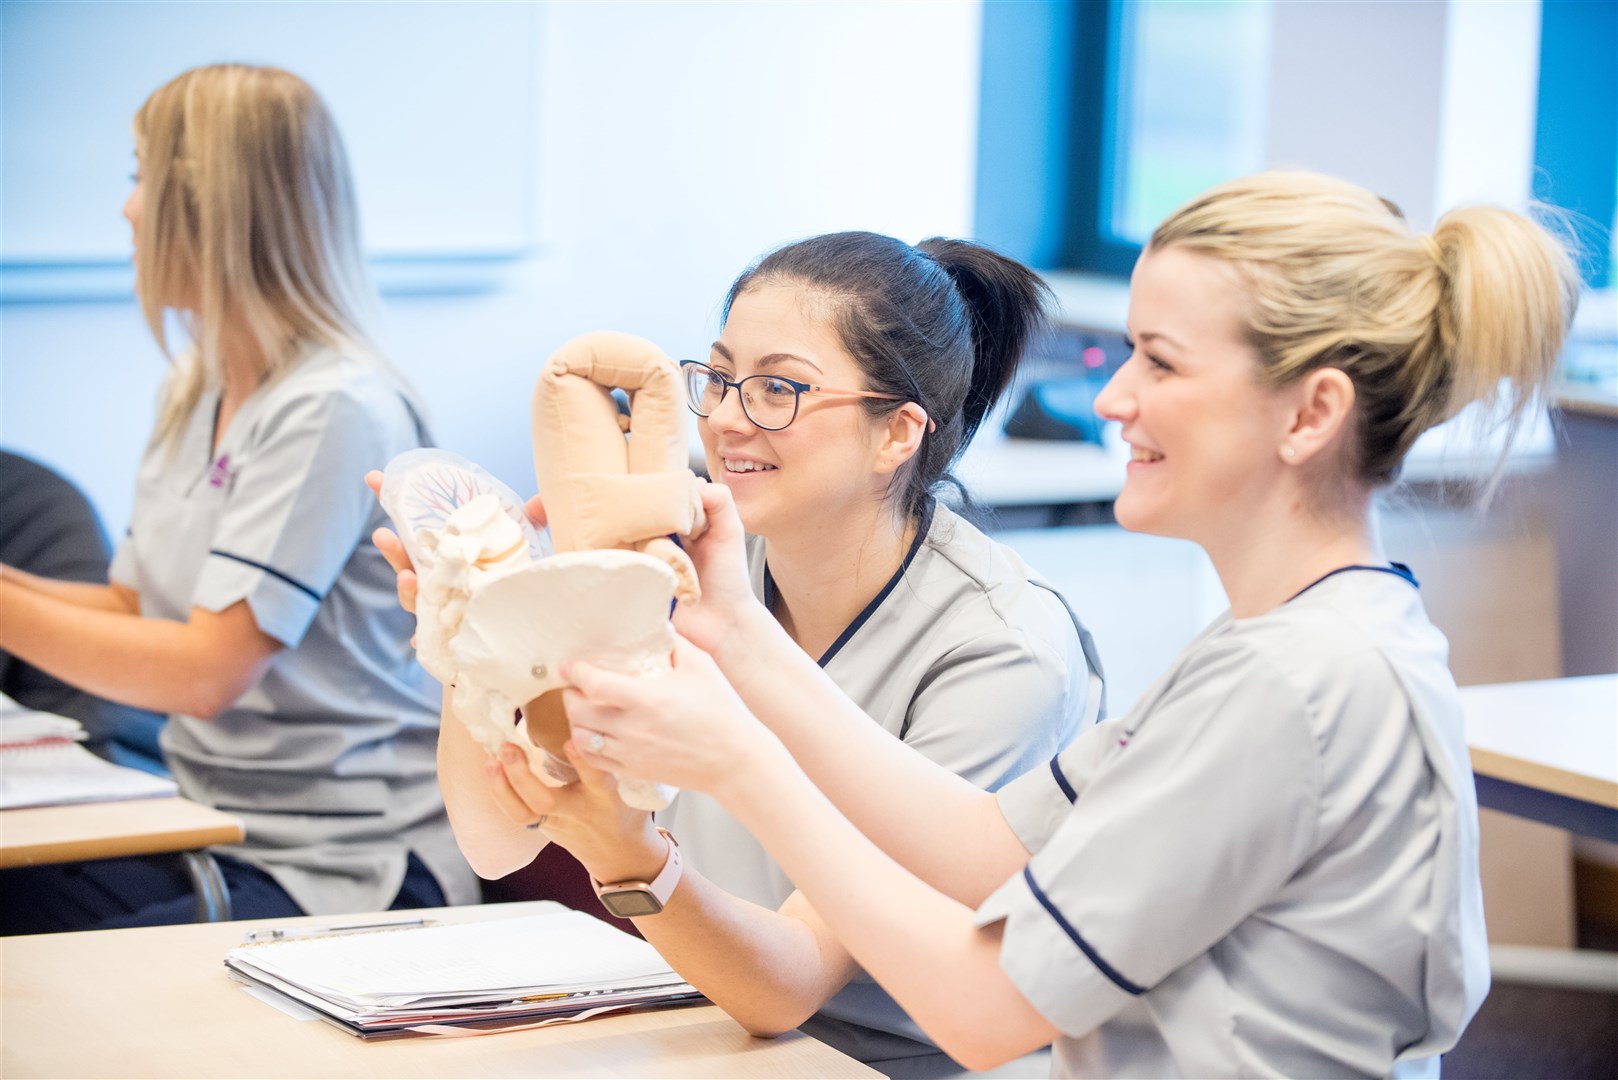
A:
922, 529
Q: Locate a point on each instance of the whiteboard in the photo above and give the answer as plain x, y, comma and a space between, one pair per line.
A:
436, 103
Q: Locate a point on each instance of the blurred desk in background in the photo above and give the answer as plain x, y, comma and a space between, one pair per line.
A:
39, 835
1548, 750
81, 832
1003, 472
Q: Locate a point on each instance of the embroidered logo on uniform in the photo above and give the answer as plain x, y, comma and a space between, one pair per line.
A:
221, 474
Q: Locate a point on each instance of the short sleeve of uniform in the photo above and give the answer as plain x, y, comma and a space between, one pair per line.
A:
999, 704
1188, 817
1036, 803
298, 507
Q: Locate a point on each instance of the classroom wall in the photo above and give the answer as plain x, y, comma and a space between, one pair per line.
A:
1431, 105
670, 145
532, 171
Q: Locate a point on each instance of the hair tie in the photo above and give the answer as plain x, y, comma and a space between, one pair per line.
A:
1432, 247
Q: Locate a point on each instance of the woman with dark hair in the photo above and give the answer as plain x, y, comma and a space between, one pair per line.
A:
850, 372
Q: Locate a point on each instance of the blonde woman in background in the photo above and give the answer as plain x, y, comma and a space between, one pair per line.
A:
247, 600
1269, 865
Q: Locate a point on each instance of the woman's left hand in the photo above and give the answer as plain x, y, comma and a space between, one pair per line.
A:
686, 727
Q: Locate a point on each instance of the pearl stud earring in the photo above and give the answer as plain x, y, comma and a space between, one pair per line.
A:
1289, 452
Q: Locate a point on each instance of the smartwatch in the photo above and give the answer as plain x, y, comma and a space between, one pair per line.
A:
633, 899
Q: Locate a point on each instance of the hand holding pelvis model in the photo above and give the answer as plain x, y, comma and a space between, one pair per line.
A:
496, 616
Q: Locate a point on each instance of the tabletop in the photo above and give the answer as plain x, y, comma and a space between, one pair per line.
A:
37, 835
1548, 750
156, 1002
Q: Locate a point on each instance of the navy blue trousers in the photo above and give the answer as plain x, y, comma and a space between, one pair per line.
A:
155, 890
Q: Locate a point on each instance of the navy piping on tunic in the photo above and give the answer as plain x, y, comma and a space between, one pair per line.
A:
299, 812
1078, 939
1398, 570
876, 602
1061, 782
272, 571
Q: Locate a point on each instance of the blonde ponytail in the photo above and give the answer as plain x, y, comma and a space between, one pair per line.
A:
1510, 293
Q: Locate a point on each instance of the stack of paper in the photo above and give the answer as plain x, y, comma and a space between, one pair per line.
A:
494, 973
42, 764
19, 726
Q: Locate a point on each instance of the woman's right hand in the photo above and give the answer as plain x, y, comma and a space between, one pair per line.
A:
393, 550
687, 727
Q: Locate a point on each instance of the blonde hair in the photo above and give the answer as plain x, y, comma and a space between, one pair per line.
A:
248, 216
1422, 325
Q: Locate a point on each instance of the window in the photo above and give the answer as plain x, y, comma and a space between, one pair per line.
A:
1192, 81
1099, 118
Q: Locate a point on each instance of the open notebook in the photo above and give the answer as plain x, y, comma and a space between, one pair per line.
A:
495, 973
42, 764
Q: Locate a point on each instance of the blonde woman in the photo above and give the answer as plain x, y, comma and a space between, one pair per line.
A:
1269, 865
247, 600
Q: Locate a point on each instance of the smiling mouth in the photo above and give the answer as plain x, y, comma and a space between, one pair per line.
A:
1137, 453
742, 465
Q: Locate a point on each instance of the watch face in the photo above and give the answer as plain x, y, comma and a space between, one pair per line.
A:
631, 903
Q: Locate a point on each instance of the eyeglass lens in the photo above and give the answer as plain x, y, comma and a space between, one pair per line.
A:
769, 402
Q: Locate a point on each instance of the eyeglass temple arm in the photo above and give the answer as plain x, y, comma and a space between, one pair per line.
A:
932, 425
857, 393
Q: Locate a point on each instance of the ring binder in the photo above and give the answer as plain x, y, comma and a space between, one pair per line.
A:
489, 975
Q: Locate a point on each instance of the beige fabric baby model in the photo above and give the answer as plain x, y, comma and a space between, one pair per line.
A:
603, 487
496, 617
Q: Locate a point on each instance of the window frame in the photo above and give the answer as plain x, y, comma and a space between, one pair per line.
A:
1088, 244
1575, 131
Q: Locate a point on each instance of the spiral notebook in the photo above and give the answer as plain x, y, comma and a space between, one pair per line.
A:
42, 764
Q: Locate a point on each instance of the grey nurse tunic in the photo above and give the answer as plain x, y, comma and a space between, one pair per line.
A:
973, 660
329, 759
1269, 866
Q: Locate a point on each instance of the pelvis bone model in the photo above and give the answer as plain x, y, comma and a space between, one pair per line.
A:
496, 615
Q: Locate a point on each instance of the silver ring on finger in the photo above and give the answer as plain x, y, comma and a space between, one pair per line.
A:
597, 742
540, 824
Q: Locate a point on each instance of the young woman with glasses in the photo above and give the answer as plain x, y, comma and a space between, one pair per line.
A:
850, 371
1268, 867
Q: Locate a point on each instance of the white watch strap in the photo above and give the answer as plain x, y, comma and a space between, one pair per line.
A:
662, 886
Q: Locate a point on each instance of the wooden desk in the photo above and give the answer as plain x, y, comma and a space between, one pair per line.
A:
156, 1002
1548, 750
38, 835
